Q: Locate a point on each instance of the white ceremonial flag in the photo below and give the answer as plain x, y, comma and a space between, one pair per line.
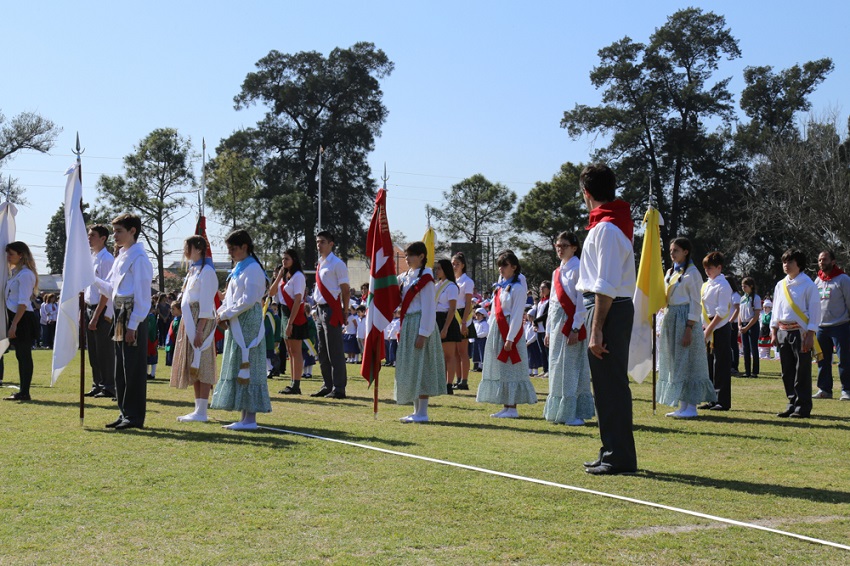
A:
77, 274
7, 235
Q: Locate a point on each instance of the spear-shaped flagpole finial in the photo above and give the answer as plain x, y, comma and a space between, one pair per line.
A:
385, 178
78, 152
9, 190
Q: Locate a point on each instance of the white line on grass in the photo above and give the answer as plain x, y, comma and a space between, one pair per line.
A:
569, 487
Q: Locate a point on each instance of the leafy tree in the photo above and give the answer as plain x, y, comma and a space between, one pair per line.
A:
54, 239
658, 101
474, 208
233, 185
314, 102
157, 177
26, 131
548, 209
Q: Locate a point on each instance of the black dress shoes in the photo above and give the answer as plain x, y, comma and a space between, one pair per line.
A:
94, 391
717, 407
799, 415
706, 406
125, 424
608, 470
786, 413
101, 394
593, 464
115, 423
18, 397
323, 392
335, 395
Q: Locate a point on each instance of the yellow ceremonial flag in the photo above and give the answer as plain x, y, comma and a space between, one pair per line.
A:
429, 239
650, 296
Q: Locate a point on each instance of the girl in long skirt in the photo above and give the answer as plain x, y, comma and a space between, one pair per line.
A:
194, 354
420, 367
570, 400
447, 321
683, 377
243, 385
504, 379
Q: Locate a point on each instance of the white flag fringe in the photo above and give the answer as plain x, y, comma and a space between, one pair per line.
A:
7, 235
77, 274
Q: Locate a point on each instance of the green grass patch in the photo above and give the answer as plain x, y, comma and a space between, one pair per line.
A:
193, 493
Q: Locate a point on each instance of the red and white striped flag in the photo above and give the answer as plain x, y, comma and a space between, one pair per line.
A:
384, 295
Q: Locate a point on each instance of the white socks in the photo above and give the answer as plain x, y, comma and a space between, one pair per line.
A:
420, 412
421, 408
506, 413
198, 415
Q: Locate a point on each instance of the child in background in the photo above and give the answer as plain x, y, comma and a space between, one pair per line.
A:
482, 329
153, 343
171, 339
308, 347
391, 337
349, 338
271, 322
530, 332
764, 330
361, 330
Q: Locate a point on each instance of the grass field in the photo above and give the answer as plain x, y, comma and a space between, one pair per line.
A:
194, 493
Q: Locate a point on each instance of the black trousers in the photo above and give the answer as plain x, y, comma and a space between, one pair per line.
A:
331, 356
611, 392
131, 379
796, 371
720, 365
25, 333
101, 352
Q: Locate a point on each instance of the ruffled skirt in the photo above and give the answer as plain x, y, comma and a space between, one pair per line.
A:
570, 395
682, 372
418, 372
505, 383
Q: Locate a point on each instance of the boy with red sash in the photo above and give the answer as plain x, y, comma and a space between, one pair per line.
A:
607, 281
331, 295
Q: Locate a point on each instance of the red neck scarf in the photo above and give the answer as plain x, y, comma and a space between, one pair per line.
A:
504, 328
568, 305
618, 212
836, 271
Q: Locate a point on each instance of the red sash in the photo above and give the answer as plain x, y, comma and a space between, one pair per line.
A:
408, 298
568, 306
504, 328
300, 318
333, 303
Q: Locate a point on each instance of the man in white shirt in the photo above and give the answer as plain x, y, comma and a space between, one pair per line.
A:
129, 285
793, 326
607, 281
331, 295
98, 317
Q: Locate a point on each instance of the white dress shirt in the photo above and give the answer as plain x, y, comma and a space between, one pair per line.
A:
102, 262
465, 286
717, 300
20, 288
447, 291
805, 295
333, 273
425, 300
607, 263
243, 292
131, 276
569, 274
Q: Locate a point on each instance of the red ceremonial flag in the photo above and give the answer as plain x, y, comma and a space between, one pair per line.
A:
201, 230
384, 295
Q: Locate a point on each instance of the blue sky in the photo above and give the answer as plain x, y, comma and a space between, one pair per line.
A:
478, 87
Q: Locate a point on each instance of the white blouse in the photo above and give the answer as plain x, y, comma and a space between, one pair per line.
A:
717, 300
446, 292
466, 286
243, 292
512, 298
297, 285
686, 289
19, 289
201, 287
425, 301
568, 273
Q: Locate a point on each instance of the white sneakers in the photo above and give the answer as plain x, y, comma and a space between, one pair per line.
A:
575, 422
845, 396
192, 417
684, 411
506, 413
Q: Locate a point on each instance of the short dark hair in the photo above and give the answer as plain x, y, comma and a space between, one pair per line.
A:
571, 239
508, 257
101, 230
830, 253
797, 256
599, 180
713, 259
326, 235
240, 238
128, 221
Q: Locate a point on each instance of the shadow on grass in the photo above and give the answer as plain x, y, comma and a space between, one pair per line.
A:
776, 421
339, 435
666, 430
560, 431
209, 432
807, 493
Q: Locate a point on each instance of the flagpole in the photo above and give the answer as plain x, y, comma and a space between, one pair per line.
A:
654, 322
385, 178
203, 194
319, 175
78, 152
